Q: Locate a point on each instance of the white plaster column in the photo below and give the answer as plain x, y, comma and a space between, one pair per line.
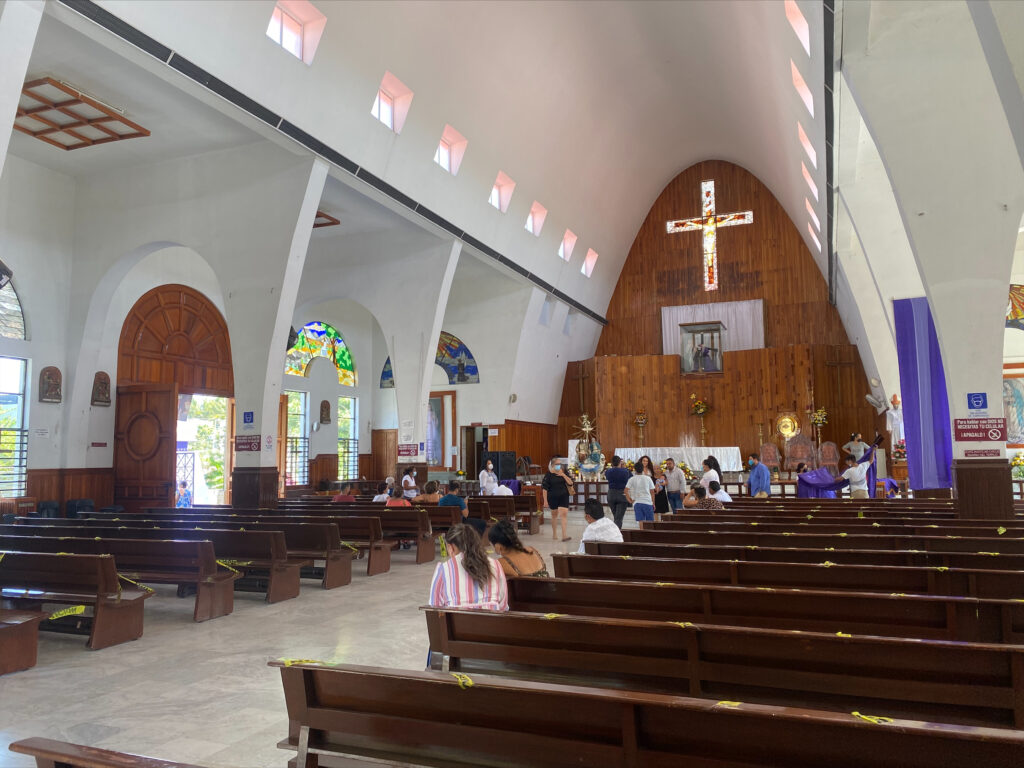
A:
19, 22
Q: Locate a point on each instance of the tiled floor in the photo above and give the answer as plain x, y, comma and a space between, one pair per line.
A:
203, 693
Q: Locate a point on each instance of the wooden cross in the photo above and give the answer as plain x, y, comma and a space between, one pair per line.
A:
709, 223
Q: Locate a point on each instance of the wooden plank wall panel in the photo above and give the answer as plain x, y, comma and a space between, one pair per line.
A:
527, 438
323, 467
366, 466
384, 449
79, 483
764, 260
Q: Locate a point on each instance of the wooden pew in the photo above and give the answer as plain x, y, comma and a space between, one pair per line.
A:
151, 562
260, 557
527, 515
28, 580
437, 719
19, 639
931, 617
614, 563
898, 527
60, 754
964, 683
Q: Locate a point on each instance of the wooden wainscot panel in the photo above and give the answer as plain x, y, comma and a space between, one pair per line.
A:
323, 468
526, 438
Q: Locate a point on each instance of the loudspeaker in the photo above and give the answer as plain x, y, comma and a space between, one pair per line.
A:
504, 463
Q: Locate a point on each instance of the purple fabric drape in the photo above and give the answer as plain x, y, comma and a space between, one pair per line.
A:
925, 402
513, 484
819, 483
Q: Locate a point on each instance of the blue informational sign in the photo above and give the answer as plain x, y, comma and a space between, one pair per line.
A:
422, 447
977, 400
248, 417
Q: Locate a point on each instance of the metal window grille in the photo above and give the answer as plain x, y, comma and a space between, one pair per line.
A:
297, 461
186, 469
348, 459
13, 462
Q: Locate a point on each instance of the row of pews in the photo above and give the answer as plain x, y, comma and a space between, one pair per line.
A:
92, 574
831, 633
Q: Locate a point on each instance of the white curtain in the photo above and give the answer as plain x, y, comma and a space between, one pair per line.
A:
743, 320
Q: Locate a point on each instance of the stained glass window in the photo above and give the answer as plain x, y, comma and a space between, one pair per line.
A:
318, 339
12, 321
456, 359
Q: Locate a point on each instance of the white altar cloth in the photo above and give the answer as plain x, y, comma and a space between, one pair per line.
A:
728, 456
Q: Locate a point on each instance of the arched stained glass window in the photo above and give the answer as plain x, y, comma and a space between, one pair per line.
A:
318, 339
456, 359
12, 321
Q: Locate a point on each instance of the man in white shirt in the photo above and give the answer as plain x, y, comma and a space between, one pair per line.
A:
488, 480
857, 474
715, 492
502, 490
675, 481
639, 493
599, 527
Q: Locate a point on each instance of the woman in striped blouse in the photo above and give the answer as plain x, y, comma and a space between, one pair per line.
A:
468, 578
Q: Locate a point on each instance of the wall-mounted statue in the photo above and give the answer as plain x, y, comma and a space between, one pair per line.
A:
101, 389
50, 381
325, 411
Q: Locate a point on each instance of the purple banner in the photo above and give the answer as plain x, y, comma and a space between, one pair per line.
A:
819, 483
925, 403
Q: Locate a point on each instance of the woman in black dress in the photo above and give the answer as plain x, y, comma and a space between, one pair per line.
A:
557, 487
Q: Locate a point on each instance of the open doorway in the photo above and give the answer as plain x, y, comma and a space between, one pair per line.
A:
202, 447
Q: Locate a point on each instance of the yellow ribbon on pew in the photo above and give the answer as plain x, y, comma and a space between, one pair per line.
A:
74, 610
786, 533
952, 537
810, 517
873, 718
682, 624
830, 549
751, 546
841, 535
990, 554
766, 589
941, 568
293, 662
842, 634
2, 556
626, 557
444, 547
553, 615
664, 583
122, 577
754, 523
730, 704
1000, 531
228, 563
355, 549
464, 681
827, 564
875, 525
897, 594
860, 513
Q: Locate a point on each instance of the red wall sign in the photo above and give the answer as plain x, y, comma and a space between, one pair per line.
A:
247, 443
980, 430
982, 452
408, 449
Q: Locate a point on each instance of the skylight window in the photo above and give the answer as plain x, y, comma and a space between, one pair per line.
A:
589, 262
814, 216
799, 24
535, 221
450, 150
810, 181
812, 155
297, 26
392, 104
801, 88
568, 243
814, 237
501, 192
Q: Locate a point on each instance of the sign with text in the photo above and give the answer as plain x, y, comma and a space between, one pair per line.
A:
247, 443
407, 449
982, 453
979, 430
248, 420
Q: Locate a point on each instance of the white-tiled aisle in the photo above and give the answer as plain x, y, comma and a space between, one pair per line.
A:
203, 692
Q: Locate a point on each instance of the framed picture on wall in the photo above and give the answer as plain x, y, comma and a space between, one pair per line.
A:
1013, 403
441, 431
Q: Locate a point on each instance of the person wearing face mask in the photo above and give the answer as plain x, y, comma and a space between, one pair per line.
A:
557, 487
759, 484
488, 480
409, 489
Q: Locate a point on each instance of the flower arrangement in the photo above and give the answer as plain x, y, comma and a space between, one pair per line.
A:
1017, 465
899, 452
640, 419
698, 407
819, 418
630, 465
460, 473
687, 471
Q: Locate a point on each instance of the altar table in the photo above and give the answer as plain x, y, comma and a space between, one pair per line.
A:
728, 456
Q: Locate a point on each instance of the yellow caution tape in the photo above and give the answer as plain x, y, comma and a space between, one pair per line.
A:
730, 704
990, 554
356, 549
130, 581
931, 526
464, 681
830, 549
293, 662
682, 624
553, 615
626, 557
842, 634
75, 610
941, 568
664, 583
897, 594
827, 564
1000, 530
873, 718
786, 533
751, 546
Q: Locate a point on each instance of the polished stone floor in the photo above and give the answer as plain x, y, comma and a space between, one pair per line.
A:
202, 693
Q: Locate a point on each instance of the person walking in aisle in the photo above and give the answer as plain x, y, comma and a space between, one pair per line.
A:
557, 487
759, 485
617, 477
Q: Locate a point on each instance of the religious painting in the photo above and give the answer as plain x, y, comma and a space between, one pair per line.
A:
435, 430
441, 437
456, 359
100, 389
325, 411
1015, 307
387, 376
50, 383
318, 339
1013, 404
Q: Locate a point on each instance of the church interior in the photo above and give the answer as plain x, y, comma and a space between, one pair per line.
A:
509, 383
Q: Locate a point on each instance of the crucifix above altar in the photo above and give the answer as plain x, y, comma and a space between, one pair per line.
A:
709, 222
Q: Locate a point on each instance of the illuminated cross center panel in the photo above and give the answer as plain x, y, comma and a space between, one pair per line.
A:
708, 223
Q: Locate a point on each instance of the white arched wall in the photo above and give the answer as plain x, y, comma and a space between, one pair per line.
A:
131, 277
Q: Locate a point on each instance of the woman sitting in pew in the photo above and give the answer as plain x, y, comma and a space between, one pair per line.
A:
515, 558
468, 578
398, 499
429, 495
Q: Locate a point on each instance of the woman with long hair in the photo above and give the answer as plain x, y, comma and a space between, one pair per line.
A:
557, 488
712, 471
660, 496
468, 578
515, 558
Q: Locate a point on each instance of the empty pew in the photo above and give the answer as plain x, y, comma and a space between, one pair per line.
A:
19, 639
431, 718
895, 527
932, 617
259, 557
964, 683
527, 515
60, 754
30, 580
150, 561
613, 563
